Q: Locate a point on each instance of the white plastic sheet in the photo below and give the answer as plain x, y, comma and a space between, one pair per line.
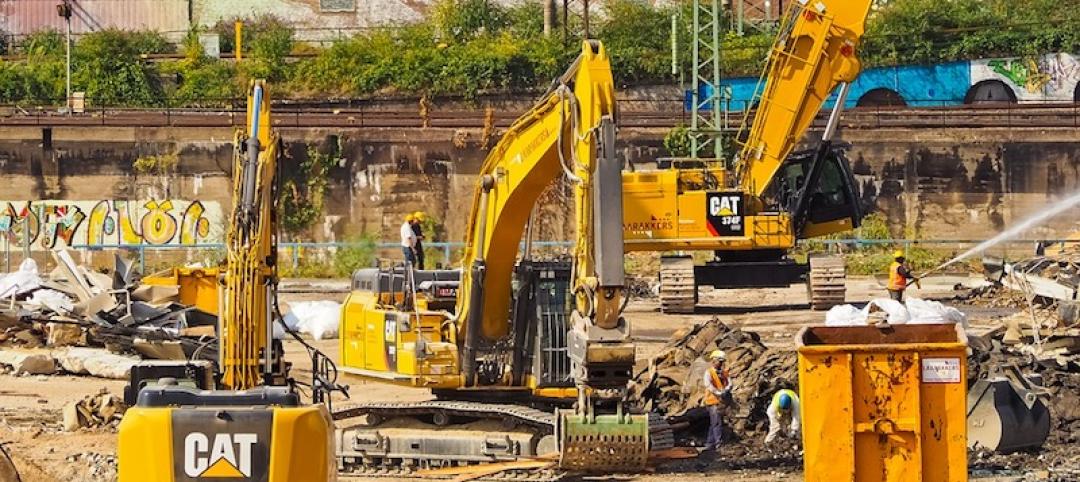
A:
24, 280
54, 300
319, 319
913, 311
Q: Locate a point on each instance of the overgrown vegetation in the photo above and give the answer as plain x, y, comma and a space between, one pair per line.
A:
303, 188
358, 253
468, 47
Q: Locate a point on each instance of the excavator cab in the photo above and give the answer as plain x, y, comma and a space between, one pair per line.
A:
831, 202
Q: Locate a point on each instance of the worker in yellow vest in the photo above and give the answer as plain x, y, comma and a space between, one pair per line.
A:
717, 389
899, 276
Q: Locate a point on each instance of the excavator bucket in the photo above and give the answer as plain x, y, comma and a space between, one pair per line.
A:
7, 466
1006, 411
602, 443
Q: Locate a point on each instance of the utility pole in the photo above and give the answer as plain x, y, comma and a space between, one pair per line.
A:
64, 10
549, 16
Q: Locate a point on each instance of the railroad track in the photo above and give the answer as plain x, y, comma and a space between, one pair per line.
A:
288, 116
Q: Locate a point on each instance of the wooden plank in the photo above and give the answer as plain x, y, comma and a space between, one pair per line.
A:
482, 470
674, 453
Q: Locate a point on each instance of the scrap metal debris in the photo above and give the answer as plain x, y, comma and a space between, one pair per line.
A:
101, 410
78, 307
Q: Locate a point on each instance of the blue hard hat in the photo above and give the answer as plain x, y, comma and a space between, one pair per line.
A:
785, 401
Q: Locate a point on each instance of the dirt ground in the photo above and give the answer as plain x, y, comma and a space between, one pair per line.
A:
30, 406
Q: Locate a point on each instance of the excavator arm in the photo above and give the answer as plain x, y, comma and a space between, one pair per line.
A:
570, 133
813, 54
561, 135
246, 358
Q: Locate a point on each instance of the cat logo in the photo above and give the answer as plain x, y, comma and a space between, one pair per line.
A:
724, 205
724, 214
228, 455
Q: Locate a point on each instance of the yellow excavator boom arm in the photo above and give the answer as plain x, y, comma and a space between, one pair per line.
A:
557, 137
814, 52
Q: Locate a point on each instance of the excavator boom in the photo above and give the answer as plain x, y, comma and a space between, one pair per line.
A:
814, 52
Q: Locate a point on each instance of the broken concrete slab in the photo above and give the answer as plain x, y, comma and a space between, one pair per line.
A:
95, 362
159, 349
157, 294
71, 417
31, 362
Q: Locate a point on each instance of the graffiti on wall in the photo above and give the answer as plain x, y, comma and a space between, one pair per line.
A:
52, 223
1051, 77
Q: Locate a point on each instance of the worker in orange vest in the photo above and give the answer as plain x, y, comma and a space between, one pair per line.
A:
717, 390
899, 276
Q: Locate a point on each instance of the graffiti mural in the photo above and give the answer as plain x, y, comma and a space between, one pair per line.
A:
52, 223
1049, 78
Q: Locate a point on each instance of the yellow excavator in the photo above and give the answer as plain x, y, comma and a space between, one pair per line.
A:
525, 358
241, 420
752, 216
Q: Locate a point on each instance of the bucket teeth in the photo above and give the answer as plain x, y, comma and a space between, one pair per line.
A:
609, 443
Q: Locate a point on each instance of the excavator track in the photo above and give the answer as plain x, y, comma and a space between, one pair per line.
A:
402, 438
678, 289
825, 283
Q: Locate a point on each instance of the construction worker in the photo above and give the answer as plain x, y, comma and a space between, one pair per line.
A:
899, 276
418, 248
783, 413
408, 239
717, 389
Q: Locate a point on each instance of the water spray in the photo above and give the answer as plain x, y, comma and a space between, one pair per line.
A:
1030, 222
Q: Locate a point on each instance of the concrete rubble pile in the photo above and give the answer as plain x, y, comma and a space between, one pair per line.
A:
671, 384
82, 321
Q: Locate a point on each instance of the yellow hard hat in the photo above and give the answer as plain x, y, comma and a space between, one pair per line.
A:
419, 215
718, 355
410, 217
897, 254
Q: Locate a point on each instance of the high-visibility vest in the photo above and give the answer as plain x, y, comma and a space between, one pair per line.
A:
897, 281
719, 381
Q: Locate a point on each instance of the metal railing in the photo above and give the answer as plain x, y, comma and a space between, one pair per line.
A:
293, 252
405, 113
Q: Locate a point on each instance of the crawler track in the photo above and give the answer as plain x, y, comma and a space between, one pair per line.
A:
395, 446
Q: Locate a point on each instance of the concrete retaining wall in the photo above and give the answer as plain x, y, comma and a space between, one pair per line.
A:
932, 183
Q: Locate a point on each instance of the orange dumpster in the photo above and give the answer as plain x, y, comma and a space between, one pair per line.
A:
883, 404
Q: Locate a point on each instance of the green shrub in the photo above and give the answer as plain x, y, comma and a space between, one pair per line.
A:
638, 39
462, 20
469, 47
677, 141
201, 80
107, 66
357, 253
